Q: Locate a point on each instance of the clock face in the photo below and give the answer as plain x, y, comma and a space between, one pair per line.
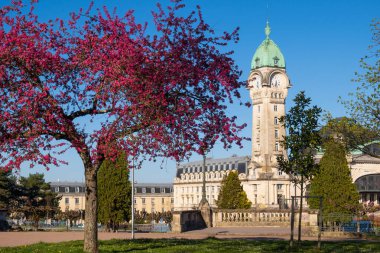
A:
276, 81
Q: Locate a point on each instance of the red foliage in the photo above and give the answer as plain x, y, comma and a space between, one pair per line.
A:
160, 95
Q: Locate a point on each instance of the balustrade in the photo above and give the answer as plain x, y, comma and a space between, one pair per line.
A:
250, 217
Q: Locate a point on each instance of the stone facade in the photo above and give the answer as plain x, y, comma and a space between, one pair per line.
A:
149, 197
188, 183
265, 185
153, 197
72, 194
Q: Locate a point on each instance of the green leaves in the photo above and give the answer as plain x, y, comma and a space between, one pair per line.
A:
232, 195
114, 192
303, 138
334, 182
364, 105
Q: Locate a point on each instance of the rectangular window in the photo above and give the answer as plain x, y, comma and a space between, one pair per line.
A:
276, 133
66, 201
172, 200
254, 187
275, 108
276, 146
76, 201
163, 201
135, 201
241, 168
143, 200
279, 187
280, 173
152, 201
275, 120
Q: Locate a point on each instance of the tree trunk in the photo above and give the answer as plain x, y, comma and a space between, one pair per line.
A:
91, 228
300, 214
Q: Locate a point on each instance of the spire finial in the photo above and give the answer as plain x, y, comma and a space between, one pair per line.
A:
267, 30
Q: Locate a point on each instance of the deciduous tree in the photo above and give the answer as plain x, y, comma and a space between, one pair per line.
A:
302, 140
114, 192
99, 78
364, 105
232, 194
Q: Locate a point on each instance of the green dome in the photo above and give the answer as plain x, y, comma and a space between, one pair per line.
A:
268, 54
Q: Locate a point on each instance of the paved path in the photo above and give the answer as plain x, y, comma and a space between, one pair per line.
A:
257, 233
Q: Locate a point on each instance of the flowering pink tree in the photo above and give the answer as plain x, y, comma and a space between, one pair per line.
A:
97, 83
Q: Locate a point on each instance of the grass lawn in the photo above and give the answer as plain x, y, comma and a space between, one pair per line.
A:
207, 245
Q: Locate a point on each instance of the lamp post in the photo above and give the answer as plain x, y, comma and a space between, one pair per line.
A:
204, 179
133, 201
268, 175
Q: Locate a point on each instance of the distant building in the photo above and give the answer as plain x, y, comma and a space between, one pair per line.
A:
365, 173
149, 197
72, 194
265, 185
153, 197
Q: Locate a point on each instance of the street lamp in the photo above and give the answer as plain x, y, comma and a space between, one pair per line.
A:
268, 176
133, 200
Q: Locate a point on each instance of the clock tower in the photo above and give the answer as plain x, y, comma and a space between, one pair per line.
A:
268, 85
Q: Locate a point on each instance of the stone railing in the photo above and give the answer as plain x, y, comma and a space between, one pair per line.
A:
250, 217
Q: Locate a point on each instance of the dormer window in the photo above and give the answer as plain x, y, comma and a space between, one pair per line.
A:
257, 60
275, 60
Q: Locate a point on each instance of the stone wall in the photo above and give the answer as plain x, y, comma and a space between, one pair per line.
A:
187, 220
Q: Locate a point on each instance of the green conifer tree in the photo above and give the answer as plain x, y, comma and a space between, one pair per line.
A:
7, 189
36, 200
114, 193
334, 184
232, 195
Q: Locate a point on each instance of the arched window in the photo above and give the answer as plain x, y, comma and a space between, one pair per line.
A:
275, 120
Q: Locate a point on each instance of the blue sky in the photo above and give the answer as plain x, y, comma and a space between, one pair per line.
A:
322, 42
